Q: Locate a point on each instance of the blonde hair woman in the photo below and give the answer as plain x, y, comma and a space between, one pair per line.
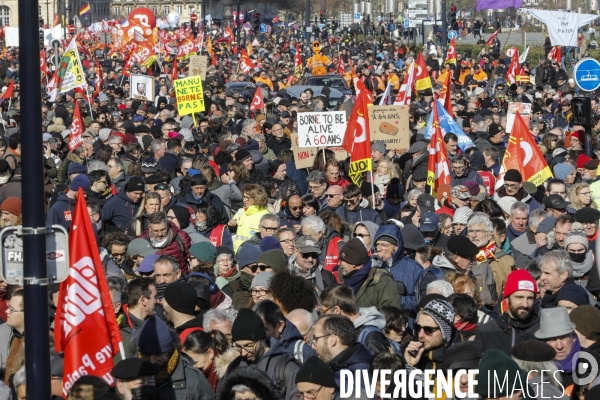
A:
383, 176
247, 219
151, 203
580, 195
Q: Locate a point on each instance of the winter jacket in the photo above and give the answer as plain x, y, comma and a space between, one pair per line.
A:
501, 265
61, 213
119, 210
403, 268
375, 342
226, 239
377, 290
194, 202
253, 378
248, 223
277, 145
178, 247
195, 236
469, 175
319, 277
268, 363
299, 176
504, 332
486, 284
291, 338
120, 181
185, 383
168, 162
228, 194
526, 198
524, 244
362, 213
286, 220
354, 358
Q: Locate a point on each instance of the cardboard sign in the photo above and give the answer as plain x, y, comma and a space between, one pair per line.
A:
390, 125
321, 129
190, 98
198, 66
141, 87
523, 108
304, 157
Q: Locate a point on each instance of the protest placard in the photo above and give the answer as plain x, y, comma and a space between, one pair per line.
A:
390, 125
523, 108
198, 66
190, 98
321, 129
304, 157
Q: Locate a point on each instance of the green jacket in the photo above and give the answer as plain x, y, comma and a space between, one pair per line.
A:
378, 290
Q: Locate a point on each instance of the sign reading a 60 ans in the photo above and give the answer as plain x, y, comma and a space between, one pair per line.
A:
304, 157
321, 129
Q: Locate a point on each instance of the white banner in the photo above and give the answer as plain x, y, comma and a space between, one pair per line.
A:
51, 34
11, 35
562, 25
321, 129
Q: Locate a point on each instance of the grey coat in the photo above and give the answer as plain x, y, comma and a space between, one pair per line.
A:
186, 383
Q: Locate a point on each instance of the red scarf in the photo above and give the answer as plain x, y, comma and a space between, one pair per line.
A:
211, 373
233, 271
216, 299
465, 326
486, 252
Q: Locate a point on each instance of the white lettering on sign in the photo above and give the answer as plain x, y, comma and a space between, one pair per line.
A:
83, 296
14, 256
321, 129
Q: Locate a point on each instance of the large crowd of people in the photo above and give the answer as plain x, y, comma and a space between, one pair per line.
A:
235, 274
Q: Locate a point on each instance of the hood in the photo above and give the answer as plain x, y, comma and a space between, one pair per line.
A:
276, 348
290, 333
370, 316
371, 227
393, 231
257, 156
187, 122
123, 194
190, 199
62, 196
223, 361
442, 262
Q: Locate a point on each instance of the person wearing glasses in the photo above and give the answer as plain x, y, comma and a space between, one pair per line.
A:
513, 186
264, 353
305, 263
355, 209
15, 319
315, 380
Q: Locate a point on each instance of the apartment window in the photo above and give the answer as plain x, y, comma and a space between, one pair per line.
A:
129, 9
117, 10
166, 10
154, 10
4, 15
191, 10
179, 10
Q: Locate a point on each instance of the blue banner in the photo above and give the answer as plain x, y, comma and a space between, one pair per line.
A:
448, 124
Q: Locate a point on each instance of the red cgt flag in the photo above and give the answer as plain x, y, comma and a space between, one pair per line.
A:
357, 138
86, 328
75, 137
438, 168
258, 102
9, 91
491, 39
445, 95
43, 65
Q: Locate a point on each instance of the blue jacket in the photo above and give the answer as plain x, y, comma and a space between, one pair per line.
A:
299, 176
471, 175
61, 212
403, 268
119, 210
358, 215
355, 358
290, 336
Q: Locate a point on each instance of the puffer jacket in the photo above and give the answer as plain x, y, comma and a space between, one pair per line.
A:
61, 212
178, 247
248, 224
119, 210
403, 268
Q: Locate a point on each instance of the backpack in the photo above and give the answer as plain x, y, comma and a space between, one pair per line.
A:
299, 351
279, 377
394, 348
432, 274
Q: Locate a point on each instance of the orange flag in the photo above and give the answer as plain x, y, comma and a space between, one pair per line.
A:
445, 94
438, 168
523, 154
422, 80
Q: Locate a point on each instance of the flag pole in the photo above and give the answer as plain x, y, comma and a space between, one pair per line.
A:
372, 188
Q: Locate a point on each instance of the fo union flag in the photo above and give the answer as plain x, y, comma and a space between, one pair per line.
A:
523, 155
86, 328
438, 170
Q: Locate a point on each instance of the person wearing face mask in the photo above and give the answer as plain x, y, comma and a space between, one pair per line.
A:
428, 226
134, 379
582, 257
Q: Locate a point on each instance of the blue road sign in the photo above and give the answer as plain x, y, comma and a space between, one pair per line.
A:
452, 35
406, 23
357, 16
263, 28
587, 74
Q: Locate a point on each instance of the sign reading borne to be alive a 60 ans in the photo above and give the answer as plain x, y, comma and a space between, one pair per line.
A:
321, 129
189, 94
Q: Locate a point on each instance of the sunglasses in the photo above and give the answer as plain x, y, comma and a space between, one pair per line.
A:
360, 235
310, 255
331, 196
427, 329
295, 208
161, 186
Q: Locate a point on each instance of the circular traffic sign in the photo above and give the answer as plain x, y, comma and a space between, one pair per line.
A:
587, 74
452, 35
72, 28
193, 18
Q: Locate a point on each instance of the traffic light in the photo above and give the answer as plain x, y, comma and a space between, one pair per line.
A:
323, 19
41, 38
453, 22
256, 22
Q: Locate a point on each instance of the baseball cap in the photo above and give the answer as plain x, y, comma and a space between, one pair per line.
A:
429, 222
306, 244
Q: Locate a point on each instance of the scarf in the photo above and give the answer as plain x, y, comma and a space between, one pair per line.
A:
211, 373
163, 243
486, 253
519, 196
216, 299
245, 280
580, 269
465, 326
165, 373
514, 232
389, 209
356, 278
232, 272
566, 365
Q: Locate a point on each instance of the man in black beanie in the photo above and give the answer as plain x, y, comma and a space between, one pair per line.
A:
513, 186
179, 306
120, 209
250, 339
199, 194
315, 380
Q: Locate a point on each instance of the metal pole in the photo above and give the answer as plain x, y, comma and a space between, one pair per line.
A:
444, 30
307, 19
48, 13
239, 26
35, 281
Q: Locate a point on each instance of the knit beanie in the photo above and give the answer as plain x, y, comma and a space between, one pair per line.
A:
262, 279
562, 170
181, 297
477, 160
577, 235
519, 279
248, 326
242, 154
354, 252
461, 215
587, 321
512, 175
154, 337
81, 181
575, 294
443, 314
275, 164
12, 205
269, 243
275, 259
316, 371
183, 216
134, 184
204, 252
496, 360
247, 255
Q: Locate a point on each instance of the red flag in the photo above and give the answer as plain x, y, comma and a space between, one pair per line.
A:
75, 137
228, 34
340, 69
9, 91
174, 73
258, 103
275, 20
246, 63
523, 154
357, 138
438, 168
405, 92
445, 94
297, 62
555, 54
422, 79
86, 328
451, 54
214, 60
43, 64
491, 39
514, 70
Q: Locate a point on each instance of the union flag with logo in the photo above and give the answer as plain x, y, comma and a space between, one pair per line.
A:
438, 168
258, 102
451, 55
357, 139
76, 134
86, 328
422, 79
